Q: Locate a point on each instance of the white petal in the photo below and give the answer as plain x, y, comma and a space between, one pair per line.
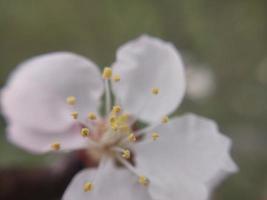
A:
226, 171
143, 64
36, 92
111, 184
36, 141
189, 145
182, 188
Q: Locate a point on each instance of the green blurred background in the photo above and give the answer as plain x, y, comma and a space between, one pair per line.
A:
230, 37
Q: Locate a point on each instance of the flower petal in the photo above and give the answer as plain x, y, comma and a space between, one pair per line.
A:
111, 184
226, 171
36, 92
147, 63
36, 141
189, 145
182, 188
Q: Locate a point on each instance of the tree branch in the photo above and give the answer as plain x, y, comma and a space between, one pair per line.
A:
40, 183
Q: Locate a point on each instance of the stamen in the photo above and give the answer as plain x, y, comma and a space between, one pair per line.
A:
113, 123
143, 180
116, 109
119, 123
75, 115
114, 127
125, 129
116, 78
131, 138
85, 132
88, 187
107, 73
124, 118
71, 100
107, 97
91, 116
146, 129
126, 154
165, 120
155, 136
155, 91
55, 146
112, 119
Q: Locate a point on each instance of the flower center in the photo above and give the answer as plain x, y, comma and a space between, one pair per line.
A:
112, 136
109, 135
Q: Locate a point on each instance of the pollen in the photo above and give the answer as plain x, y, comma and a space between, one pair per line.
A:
155, 136
85, 132
88, 187
116, 109
116, 78
114, 127
55, 146
112, 119
71, 100
91, 116
107, 73
143, 180
118, 123
124, 129
131, 138
126, 154
75, 115
155, 91
165, 120
123, 118
113, 123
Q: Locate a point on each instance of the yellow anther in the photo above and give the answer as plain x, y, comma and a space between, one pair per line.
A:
112, 119
75, 115
143, 180
131, 138
123, 118
107, 73
55, 146
165, 119
91, 116
88, 187
85, 132
124, 129
126, 154
113, 122
116, 78
155, 91
155, 136
71, 100
116, 109
119, 123
114, 127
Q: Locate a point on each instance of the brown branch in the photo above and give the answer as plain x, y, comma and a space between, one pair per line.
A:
40, 183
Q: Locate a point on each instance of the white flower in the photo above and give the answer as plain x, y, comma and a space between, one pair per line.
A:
180, 158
